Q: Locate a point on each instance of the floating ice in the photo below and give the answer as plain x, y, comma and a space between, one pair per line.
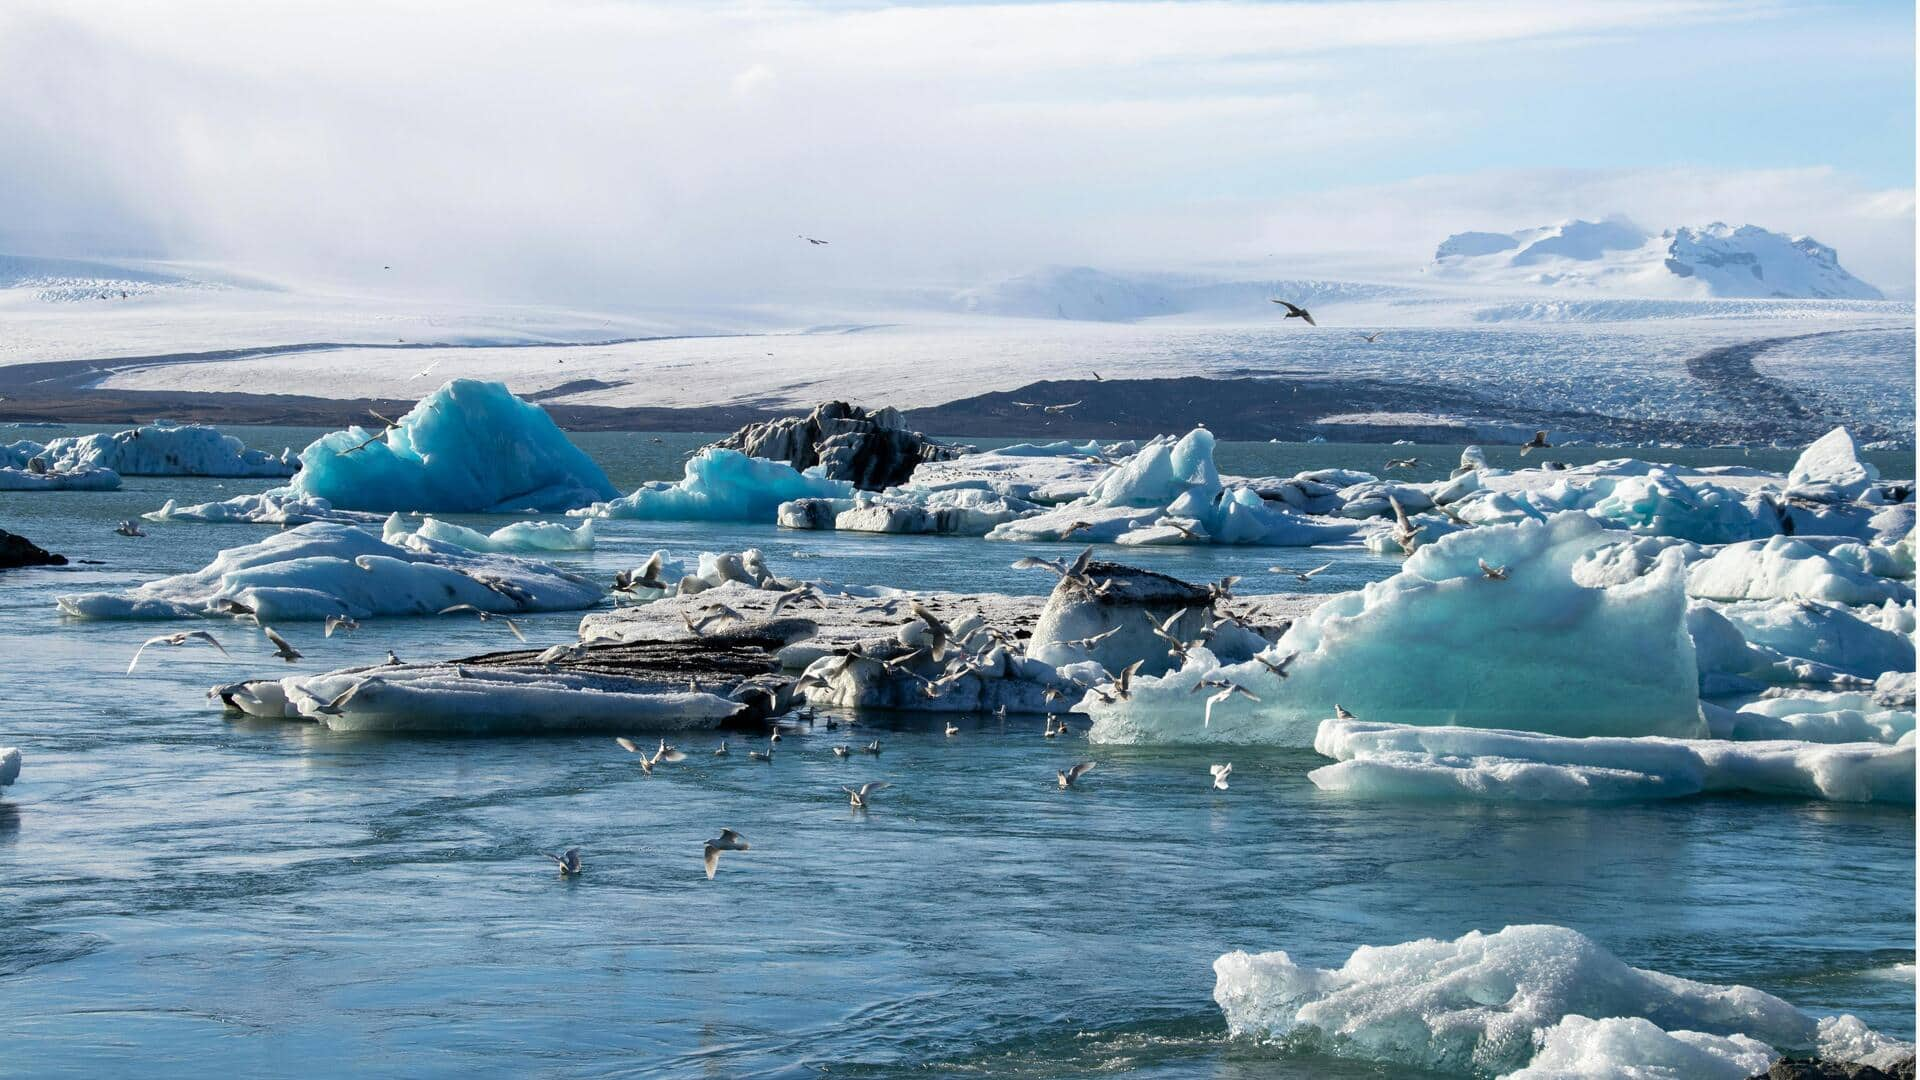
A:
164, 449
1170, 493
948, 512
1859, 641
1407, 761
1784, 568
1579, 1048
1440, 643
277, 507
467, 447
1814, 716
1830, 469
325, 569
28, 479
483, 699
519, 536
9, 766
722, 485
1492, 1003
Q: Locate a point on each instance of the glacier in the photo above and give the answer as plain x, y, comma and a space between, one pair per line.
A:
325, 569
1488, 1004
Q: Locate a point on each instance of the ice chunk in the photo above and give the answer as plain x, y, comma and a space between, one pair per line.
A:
1831, 469
1489, 1003
30, 479
325, 569
722, 485
492, 699
1786, 568
519, 536
1579, 1048
1442, 643
9, 766
164, 449
1403, 760
276, 507
469, 446
948, 512
1858, 641
1117, 602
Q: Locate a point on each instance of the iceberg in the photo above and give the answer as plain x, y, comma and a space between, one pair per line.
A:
1486, 1004
468, 447
165, 449
1862, 642
722, 485
1170, 493
9, 766
1407, 761
948, 512
276, 507
1580, 1048
1830, 470
324, 569
33, 479
1442, 643
519, 536
1784, 568
482, 699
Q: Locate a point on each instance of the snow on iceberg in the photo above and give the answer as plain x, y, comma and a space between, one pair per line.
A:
722, 485
1784, 568
166, 449
324, 569
1171, 493
1490, 1003
1442, 643
468, 447
1406, 761
519, 536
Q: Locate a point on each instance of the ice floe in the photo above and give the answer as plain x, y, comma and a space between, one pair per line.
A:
1487, 1004
722, 485
325, 569
165, 449
276, 507
1407, 761
1784, 568
35, 476
519, 536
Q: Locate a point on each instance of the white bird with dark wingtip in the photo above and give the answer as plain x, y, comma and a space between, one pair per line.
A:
335, 707
282, 648
728, 840
721, 750
129, 528
569, 862
859, 797
485, 616
184, 637
1304, 576
1340, 712
341, 622
1492, 573
1220, 774
665, 753
1538, 442
1068, 776
952, 729
1227, 690
647, 577
938, 636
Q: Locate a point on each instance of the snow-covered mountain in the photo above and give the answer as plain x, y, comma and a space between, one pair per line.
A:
1692, 262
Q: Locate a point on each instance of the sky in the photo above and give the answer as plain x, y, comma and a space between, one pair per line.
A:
634, 154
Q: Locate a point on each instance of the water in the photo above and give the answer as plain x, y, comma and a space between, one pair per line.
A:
179, 889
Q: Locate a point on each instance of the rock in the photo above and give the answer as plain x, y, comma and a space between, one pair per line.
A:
1822, 1069
16, 550
872, 450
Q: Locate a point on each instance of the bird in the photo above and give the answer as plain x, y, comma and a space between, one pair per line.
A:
341, 622
1096, 375
1123, 682
841, 751
952, 729
1278, 667
872, 748
1340, 712
1074, 527
569, 862
485, 616
816, 243
665, 753
1538, 442
1220, 774
1183, 526
1060, 408
1403, 462
227, 605
1089, 642
184, 637
1073, 571
1050, 731
1405, 532
334, 707
647, 577
1371, 338
803, 591
1294, 312
939, 637
392, 658
1492, 573
721, 750
423, 372
129, 528
1176, 646
554, 654
728, 840
859, 797
1068, 775
761, 755
1227, 690
1303, 576
282, 648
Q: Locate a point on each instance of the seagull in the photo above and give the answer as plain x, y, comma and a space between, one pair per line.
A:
341, 622
1176, 647
859, 798
392, 659
1304, 576
281, 647
1493, 573
647, 577
1220, 774
1181, 526
794, 595
1403, 462
1294, 312
1074, 527
1060, 408
129, 528
569, 862
229, 606
423, 372
816, 243
1340, 713
872, 748
762, 755
937, 631
1096, 376
1073, 571
1228, 689
485, 616
1405, 532
721, 750
182, 638
1069, 775
1368, 338
1123, 682
728, 840
665, 753
1222, 589
1539, 442
841, 751
554, 654
1090, 642
1051, 731
1278, 667
333, 707
952, 729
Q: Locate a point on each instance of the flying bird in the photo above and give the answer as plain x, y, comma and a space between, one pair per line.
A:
1295, 312
1220, 774
811, 240
1303, 576
1368, 338
647, 577
423, 372
1538, 442
335, 706
858, 797
184, 637
282, 648
1492, 573
341, 622
1226, 692
1068, 776
728, 840
485, 616
665, 753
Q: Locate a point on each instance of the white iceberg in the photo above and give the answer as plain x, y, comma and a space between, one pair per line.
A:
722, 485
1485, 1004
468, 447
1407, 761
1442, 643
1815, 638
1830, 469
323, 569
166, 449
33, 479
1784, 568
276, 507
519, 536
489, 699
1619, 1047
907, 510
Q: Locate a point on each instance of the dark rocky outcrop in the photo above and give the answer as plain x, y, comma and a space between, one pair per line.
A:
873, 450
1822, 1069
16, 550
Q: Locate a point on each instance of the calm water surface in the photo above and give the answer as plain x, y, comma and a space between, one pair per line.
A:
178, 889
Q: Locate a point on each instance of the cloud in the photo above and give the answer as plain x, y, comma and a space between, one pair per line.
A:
636, 154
